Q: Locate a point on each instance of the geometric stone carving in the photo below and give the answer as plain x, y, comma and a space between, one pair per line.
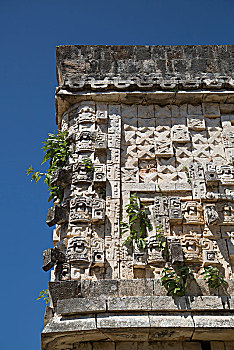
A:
85, 141
196, 122
192, 212
226, 174
211, 176
164, 148
62, 272
78, 250
227, 213
86, 115
191, 248
80, 209
139, 259
209, 257
101, 142
228, 137
98, 210
160, 206
81, 174
196, 171
154, 253
199, 189
99, 173
180, 134
175, 213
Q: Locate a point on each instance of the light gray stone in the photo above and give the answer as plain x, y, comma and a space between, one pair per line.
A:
142, 303
136, 287
81, 305
126, 320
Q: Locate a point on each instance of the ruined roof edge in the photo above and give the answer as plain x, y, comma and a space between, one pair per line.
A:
101, 68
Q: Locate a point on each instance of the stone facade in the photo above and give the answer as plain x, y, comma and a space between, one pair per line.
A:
157, 122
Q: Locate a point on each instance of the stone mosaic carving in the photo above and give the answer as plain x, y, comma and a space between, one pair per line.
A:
177, 160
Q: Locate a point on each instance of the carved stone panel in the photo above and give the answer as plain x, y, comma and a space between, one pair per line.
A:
180, 134
226, 174
164, 148
78, 250
81, 174
100, 142
85, 141
191, 247
98, 210
209, 257
175, 213
80, 209
99, 175
192, 212
154, 253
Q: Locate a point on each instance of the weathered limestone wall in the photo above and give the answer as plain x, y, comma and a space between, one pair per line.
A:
178, 159
157, 122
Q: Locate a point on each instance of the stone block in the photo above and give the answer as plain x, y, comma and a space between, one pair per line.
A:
217, 345
127, 320
80, 306
192, 346
229, 345
56, 215
103, 346
64, 290
209, 322
51, 257
142, 303
126, 345
135, 287
61, 177
170, 327
59, 324
211, 110
175, 251
99, 288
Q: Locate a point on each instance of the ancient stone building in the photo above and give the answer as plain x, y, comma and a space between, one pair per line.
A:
154, 126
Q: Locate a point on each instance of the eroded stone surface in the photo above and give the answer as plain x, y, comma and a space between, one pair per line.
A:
168, 137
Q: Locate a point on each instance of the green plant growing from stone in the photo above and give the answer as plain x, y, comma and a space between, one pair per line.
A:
44, 295
57, 152
138, 222
162, 241
176, 280
213, 277
88, 164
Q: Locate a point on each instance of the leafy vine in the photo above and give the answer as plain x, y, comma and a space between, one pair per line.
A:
57, 152
213, 277
44, 294
176, 280
138, 222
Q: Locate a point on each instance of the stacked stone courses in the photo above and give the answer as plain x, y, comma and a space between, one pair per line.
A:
158, 122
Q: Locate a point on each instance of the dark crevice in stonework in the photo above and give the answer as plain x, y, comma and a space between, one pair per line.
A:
205, 345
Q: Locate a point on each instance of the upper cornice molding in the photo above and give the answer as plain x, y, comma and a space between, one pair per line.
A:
145, 68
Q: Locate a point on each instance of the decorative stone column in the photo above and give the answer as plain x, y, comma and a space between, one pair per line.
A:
157, 122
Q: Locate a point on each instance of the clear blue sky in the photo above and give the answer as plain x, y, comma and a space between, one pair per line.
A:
29, 33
